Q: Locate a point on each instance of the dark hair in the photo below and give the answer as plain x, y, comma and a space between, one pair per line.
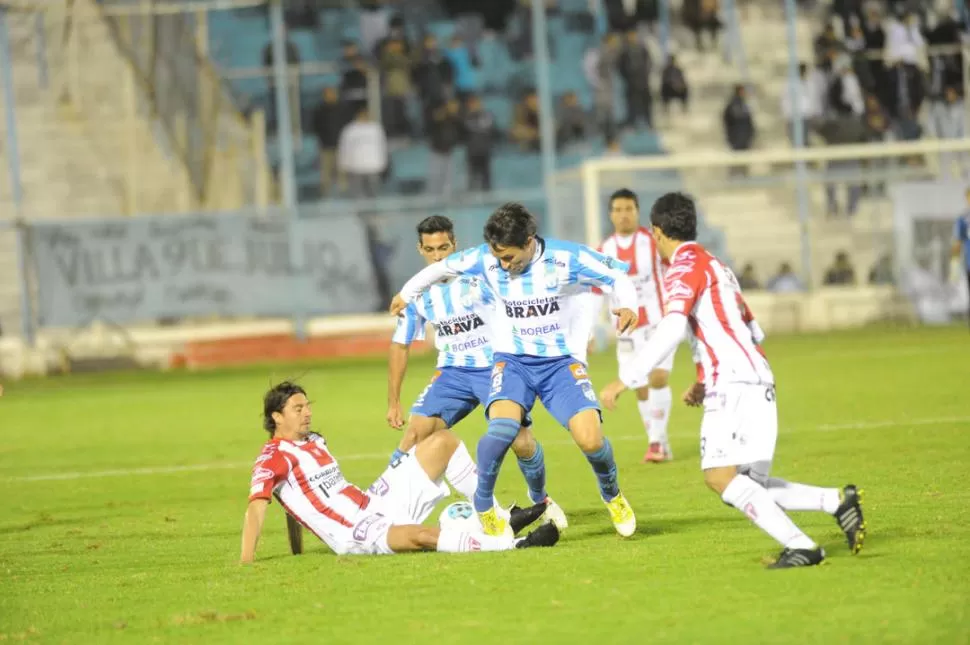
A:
275, 400
675, 215
436, 224
510, 225
624, 193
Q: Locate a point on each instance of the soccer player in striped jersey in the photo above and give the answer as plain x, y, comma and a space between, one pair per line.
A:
298, 469
737, 389
633, 244
540, 340
461, 309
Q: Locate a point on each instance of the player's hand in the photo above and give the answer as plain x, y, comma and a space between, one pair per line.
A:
395, 418
694, 396
626, 319
610, 393
397, 305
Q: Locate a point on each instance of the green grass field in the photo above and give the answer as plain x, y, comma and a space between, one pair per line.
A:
125, 497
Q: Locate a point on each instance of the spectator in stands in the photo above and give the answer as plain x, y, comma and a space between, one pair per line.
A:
328, 121
374, 24
525, 124
843, 129
739, 124
701, 15
480, 132
882, 271
946, 119
875, 38
747, 280
845, 93
572, 122
875, 119
613, 146
603, 85
362, 154
349, 52
785, 281
464, 70
856, 48
946, 69
827, 45
353, 88
904, 41
808, 103
292, 59
850, 11
841, 272
396, 70
673, 84
444, 137
396, 32
433, 76
634, 65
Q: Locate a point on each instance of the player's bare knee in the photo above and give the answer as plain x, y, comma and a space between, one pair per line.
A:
445, 442
658, 379
717, 479
420, 427
524, 445
589, 439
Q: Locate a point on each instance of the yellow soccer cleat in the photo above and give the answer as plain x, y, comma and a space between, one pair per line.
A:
495, 524
621, 514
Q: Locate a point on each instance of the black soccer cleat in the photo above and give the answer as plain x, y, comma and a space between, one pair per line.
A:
850, 519
791, 558
519, 518
545, 535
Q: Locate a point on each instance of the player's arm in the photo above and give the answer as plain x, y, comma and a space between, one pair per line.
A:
294, 531
609, 275
959, 235
410, 327
757, 333
468, 261
252, 527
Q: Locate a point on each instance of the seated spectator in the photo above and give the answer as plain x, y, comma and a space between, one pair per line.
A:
882, 271
362, 154
841, 272
747, 279
845, 92
464, 70
673, 84
946, 119
807, 101
875, 119
572, 122
785, 281
525, 124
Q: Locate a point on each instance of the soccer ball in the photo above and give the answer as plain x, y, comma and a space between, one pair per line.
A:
460, 516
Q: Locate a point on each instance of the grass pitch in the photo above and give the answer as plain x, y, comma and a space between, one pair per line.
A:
125, 497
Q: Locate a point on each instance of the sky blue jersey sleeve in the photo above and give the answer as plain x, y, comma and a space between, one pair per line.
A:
410, 326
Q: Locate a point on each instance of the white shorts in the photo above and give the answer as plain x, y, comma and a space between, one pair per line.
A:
629, 354
740, 425
403, 494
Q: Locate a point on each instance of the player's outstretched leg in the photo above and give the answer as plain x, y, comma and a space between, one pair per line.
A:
752, 499
531, 458
844, 505
656, 412
415, 537
586, 431
503, 427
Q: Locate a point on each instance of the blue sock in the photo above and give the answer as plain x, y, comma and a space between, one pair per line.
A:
491, 451
397, 454
534, 471
605, 468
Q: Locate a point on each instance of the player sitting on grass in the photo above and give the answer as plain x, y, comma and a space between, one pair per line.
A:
298, 469
462, 311
542, 327
737, 389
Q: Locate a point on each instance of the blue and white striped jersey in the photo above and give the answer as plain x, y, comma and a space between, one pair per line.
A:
541, 311
462, 310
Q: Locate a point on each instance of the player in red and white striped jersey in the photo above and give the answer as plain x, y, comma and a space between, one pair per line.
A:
633, 244
298, 469
737, 389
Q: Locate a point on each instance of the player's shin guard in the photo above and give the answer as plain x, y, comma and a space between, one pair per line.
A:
534, 471
605, 468
452, 541
397, 454
658, 411
491, 451
744, 494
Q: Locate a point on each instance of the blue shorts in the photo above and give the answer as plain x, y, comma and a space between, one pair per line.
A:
559, 382
454, 392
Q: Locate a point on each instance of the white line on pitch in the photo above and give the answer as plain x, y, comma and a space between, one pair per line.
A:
165, 470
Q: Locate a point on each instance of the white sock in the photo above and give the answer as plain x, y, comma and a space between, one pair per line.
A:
462, 473
452, 541
744, 494
799, 497
658, 407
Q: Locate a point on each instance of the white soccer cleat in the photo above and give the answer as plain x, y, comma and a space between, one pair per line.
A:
555, 514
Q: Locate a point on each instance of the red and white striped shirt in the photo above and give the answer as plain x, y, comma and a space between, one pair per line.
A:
725, 349
646, 270
308, 482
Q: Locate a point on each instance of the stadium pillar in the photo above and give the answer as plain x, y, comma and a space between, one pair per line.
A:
547, 132
13, 167
798, 138
284, 135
